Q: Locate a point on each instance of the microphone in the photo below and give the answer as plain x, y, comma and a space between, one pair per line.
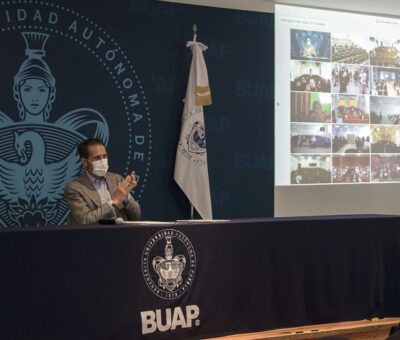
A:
117, 220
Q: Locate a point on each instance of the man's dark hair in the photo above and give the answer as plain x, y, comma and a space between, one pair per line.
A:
83, 148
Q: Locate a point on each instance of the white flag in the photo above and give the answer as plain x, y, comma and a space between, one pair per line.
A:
191, 171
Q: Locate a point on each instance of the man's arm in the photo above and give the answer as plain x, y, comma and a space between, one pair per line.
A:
80, 211
128, 203
132, 209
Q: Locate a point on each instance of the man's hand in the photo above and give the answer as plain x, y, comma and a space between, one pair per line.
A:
124, 188
132, 180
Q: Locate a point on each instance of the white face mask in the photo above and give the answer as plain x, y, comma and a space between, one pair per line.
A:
100, 167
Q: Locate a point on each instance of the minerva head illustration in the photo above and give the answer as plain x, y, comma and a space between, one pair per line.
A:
34, 85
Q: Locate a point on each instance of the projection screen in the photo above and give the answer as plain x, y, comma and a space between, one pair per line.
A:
337, 113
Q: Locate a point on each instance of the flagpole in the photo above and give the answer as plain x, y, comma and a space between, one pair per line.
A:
194, 28
191, 211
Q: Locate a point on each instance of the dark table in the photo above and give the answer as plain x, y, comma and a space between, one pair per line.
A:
195, 280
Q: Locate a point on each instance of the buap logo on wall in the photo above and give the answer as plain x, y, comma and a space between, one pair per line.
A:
63, 79
169, 267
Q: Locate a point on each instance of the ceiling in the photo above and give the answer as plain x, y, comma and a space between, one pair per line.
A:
379, 7
382, 7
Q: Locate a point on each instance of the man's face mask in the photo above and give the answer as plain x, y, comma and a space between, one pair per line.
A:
100, 167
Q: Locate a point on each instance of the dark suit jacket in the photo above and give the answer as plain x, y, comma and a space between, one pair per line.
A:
85, 204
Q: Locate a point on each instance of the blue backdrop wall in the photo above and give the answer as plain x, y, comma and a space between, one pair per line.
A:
118, 70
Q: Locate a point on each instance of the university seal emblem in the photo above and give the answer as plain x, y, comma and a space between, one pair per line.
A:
58, 98
192, 143
169, 275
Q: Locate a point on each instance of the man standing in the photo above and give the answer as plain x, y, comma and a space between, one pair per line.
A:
99, 194
309, 49
364, 81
